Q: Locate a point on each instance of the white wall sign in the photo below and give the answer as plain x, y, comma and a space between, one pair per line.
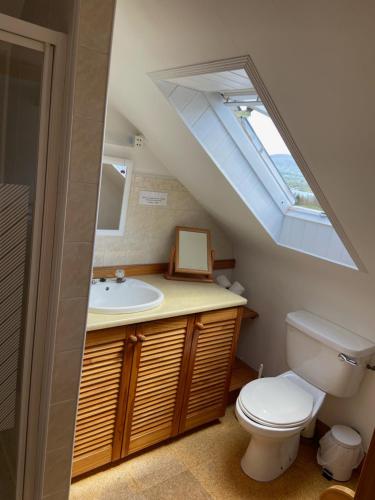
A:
153, 198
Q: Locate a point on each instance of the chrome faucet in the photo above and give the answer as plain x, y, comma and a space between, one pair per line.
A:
120, 276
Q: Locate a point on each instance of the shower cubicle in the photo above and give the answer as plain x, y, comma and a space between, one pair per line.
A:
30, 92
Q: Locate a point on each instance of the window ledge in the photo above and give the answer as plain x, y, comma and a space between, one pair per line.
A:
308, 215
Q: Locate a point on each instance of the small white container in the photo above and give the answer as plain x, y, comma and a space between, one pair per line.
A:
237, 288
340, 452
223, 281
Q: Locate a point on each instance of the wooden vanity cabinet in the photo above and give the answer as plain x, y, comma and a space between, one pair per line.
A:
142, 384
157, 382
106, 370
210, 366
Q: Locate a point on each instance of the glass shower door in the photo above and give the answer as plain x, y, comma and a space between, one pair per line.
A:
23, 85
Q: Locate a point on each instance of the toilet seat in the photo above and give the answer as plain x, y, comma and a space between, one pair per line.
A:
276, 402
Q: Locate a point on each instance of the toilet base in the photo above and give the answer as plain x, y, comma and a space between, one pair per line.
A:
266, 459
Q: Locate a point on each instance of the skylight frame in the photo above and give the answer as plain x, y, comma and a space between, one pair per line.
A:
254, 104
282, 196
276, 187
246, 126
245, 62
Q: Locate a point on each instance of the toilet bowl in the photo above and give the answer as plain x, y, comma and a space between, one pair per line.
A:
275, 411
324, 358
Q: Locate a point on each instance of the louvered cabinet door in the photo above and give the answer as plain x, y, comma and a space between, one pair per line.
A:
106, 370
158, 377
210, 366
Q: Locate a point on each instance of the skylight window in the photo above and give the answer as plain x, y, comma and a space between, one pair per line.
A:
269, 143
229, 120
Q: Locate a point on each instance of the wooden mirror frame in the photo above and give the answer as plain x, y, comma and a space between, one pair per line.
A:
186, 274
178, 269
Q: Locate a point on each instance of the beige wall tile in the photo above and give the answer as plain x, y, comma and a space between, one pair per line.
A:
182, 200
81, 212
95, 24
85, 156
150, 230
76, 270
66, 374
61, 424
53, 14
100, 244
160, 248
91, 84
98, 259
57, 473
60, 14
71, 324
116, 244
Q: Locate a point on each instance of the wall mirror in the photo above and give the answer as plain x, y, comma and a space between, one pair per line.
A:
113, 196
192, 256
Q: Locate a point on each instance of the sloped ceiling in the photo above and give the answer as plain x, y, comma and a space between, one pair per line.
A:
317, 61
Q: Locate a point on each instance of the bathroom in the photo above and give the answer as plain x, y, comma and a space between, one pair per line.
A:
128, 83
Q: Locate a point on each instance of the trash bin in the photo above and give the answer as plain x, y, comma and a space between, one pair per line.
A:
340, 451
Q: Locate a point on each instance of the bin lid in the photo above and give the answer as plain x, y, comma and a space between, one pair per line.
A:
346, 436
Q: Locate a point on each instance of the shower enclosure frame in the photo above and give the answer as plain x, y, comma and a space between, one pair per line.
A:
46, 252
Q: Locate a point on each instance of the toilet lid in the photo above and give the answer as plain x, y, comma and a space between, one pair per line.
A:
276, 402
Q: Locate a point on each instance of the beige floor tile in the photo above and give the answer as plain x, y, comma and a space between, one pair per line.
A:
197, 447
111, 494
204, 464
225, 441
226, 480
182, 486
153, 467
113, 484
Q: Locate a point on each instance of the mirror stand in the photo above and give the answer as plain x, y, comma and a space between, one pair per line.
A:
171, 274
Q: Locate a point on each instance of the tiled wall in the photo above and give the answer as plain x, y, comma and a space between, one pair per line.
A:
52, 14
150, 230
90, 82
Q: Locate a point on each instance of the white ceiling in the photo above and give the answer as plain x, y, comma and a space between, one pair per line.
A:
301, 49
222, 81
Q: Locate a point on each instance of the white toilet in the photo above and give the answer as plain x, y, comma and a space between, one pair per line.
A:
325, 359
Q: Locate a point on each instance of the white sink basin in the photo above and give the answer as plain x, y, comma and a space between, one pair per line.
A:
130, 296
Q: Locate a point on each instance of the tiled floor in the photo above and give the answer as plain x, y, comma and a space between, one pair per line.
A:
204, 464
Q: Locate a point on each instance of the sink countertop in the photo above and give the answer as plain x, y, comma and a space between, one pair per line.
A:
180, 298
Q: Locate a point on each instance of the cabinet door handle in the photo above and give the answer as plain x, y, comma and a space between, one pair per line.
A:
199, 325
141, 337
133, 339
